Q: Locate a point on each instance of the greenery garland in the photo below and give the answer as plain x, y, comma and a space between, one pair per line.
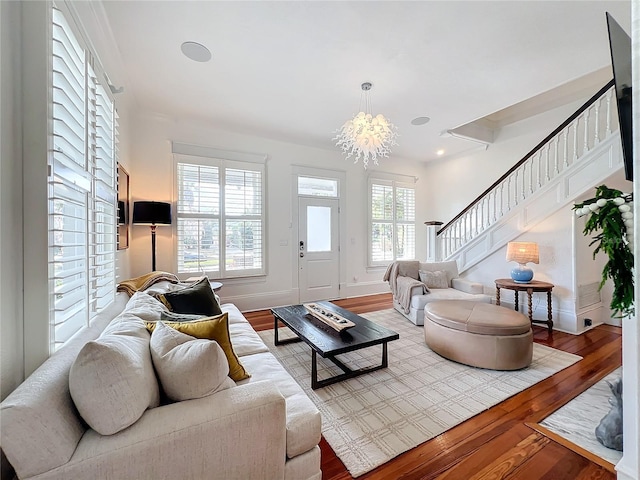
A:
611, 213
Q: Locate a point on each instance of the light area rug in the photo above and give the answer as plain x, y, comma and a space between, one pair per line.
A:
370, 419
577, 420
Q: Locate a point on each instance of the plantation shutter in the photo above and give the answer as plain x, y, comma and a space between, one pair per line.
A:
103, 205
381, 222
243, 219
392, 222
81, 189
198, 218
405, 218
70, 185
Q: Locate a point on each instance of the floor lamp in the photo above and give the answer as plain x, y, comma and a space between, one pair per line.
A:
152, 214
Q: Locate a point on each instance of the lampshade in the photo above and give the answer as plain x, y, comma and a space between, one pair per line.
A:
151, 213
523, 252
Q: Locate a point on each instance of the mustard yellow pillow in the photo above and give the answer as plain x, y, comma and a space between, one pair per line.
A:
212, 328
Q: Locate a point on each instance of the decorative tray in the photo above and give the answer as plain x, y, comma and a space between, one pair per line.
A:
333, 319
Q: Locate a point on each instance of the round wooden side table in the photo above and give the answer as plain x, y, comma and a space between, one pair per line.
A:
532, 286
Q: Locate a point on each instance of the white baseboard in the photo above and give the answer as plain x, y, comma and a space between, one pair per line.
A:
260, 301
361, 289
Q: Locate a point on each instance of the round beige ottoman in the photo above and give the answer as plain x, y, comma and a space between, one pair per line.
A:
478, 334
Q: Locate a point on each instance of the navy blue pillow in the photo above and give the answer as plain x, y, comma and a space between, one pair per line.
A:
195, 299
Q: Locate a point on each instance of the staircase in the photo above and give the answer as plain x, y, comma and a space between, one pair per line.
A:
575, 157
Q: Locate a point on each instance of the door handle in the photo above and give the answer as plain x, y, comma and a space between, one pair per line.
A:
301, 245
301, 254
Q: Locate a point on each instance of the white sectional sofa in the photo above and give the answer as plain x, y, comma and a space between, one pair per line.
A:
456, 289
264, 427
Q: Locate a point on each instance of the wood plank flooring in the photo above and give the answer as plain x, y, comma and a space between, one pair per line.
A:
498, 443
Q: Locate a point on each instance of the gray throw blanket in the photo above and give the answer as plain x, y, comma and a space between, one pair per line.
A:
403, 276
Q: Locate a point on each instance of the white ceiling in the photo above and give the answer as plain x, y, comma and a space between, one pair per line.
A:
292, 70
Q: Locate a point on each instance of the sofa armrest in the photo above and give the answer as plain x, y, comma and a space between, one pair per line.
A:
418, 290
236, 433
467, 286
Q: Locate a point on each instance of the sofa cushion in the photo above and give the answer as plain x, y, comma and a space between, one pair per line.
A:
303, 418
235, 316
435, 279
212, 328
186, 366
245, 340
112, 381
145, 307
419, 301
197, 298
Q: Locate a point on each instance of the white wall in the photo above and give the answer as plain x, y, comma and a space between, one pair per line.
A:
554, 239
11, 256
152, 179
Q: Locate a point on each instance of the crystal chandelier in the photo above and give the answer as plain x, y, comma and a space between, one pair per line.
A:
366, 137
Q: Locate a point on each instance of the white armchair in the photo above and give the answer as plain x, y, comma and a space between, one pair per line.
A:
456, 289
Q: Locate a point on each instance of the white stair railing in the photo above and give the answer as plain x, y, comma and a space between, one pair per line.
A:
591, 124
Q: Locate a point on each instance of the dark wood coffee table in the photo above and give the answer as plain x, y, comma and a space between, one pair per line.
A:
328, 342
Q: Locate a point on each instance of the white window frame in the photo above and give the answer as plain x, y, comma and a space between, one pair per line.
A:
224, 160
395, 182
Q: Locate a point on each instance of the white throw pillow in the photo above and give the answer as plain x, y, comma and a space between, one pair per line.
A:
146, 307
112, 381
436, 279
188, 367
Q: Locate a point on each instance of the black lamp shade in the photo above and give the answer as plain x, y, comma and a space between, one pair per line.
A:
151, 213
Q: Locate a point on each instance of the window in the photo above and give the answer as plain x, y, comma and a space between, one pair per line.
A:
392, 227
82, 196
317, 187
221, 225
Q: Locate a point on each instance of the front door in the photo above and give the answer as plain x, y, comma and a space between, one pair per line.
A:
318, 249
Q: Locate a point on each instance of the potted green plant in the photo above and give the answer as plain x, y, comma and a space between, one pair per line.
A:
610, 216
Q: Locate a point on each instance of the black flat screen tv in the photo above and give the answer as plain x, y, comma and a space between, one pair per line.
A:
620, 46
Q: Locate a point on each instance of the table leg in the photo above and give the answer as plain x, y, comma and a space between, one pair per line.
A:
276, 340
530, 294
549, 312
314, 370
385, 361
517, 297
497, 295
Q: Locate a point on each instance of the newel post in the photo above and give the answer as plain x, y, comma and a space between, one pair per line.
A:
433, 246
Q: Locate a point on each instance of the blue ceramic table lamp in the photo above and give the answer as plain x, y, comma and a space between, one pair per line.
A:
523, 253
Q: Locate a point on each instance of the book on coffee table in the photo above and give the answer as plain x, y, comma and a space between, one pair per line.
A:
333, 319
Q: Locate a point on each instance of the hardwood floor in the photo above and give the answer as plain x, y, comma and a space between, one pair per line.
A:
500, 443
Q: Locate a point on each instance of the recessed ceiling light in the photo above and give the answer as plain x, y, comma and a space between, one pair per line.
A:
440, 152
196, 51
420, 120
